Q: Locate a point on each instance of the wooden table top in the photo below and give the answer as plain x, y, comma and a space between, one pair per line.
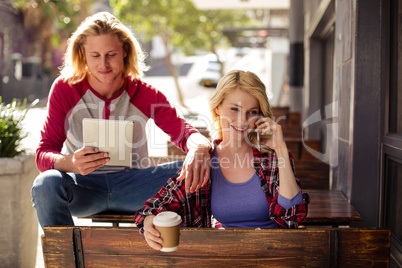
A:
330, 207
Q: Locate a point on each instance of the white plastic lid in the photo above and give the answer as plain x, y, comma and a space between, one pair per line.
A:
167, 218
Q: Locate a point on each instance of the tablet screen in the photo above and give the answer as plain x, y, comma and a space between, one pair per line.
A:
112, 136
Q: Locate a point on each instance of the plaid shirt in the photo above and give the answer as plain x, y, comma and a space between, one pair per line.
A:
195, 208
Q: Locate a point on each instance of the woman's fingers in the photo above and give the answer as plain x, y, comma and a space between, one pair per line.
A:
151, 235
266, 126
153, 239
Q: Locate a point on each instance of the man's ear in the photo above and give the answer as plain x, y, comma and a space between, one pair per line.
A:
82, 50
125, 48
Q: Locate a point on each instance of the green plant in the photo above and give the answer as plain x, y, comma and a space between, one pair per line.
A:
11, 131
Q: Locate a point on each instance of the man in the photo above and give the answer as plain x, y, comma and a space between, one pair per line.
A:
101, 78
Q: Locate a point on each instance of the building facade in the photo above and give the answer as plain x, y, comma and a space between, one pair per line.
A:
353, 70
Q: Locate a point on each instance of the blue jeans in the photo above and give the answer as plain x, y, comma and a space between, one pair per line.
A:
57, 196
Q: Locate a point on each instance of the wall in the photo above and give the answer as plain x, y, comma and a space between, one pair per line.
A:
357, 78
368, 79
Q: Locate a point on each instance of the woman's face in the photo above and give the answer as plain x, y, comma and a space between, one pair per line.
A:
237, 114
105, 58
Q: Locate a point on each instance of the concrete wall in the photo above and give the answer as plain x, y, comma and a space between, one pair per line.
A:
19, 225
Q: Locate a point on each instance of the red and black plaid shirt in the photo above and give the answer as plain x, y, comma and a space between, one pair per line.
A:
195, 208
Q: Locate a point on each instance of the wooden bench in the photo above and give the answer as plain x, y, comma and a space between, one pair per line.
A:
312, 174
284, 116
124, 247
330, 208
173, 150
298, 148
280, 112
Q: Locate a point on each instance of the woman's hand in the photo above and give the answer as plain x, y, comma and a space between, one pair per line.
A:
196, 167
275, 141
272, 131
152, 236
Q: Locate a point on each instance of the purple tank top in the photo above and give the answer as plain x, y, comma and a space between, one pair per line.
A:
241, 205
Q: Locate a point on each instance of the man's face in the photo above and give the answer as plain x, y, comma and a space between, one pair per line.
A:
105, 58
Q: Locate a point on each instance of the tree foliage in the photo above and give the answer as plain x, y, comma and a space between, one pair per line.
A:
179, 24
47, 24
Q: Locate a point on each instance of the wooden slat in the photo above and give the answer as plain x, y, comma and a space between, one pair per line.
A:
312, 174
114, 218
298, 148
58, 248
199, 247
292, 132
156, 260
364, 248
158, 160
314, 145
173, 150
280, 112
329, 207
294, 119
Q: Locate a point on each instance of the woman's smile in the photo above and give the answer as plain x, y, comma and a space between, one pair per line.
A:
240, 130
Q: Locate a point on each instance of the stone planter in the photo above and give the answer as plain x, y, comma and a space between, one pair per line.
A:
18, 222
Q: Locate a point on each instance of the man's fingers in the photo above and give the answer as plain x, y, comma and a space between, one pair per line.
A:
88, 150
187, 162
207, 173
196, 177
182, 175
88, 167
189, 175
201, 178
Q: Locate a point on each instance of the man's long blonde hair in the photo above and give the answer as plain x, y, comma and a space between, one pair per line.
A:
74, 67
248, 82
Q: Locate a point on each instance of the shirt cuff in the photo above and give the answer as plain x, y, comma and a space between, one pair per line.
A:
288, 203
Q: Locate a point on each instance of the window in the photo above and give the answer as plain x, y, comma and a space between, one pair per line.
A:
391, 168
395, 101
393, 196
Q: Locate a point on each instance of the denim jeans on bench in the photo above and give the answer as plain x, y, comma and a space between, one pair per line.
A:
57, 196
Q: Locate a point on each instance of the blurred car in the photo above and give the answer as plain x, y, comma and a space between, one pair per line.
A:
240, 52
211, 75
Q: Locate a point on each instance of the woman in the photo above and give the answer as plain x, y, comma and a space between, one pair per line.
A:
102, 79
249, 188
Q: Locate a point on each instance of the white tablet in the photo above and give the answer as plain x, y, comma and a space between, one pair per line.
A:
112, 136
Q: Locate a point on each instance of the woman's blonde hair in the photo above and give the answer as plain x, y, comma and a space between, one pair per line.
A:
248, 82
74, 65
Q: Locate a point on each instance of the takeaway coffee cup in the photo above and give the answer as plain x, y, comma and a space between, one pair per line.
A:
168, 225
